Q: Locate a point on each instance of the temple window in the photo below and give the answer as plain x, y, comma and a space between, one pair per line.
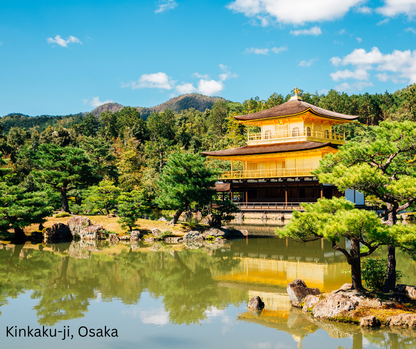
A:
268, 134
295, 132
326, 134
308, 131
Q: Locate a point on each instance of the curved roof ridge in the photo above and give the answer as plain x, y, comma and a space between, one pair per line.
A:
293, 107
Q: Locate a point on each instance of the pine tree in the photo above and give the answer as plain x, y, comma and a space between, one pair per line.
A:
185, 179
130, 208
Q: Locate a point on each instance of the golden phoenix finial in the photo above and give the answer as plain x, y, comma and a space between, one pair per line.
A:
296, 90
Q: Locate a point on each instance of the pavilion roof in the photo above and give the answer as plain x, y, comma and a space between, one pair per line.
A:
294, 107
270, 148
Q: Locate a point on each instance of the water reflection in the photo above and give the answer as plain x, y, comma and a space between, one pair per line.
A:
193, 285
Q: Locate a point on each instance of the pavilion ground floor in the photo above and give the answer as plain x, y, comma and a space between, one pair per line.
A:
274, 195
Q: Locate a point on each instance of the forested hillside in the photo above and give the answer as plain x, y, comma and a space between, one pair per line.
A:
72, 157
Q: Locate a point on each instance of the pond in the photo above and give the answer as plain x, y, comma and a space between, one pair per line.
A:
97, 295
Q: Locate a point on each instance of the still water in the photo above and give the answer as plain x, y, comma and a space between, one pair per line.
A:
172, 296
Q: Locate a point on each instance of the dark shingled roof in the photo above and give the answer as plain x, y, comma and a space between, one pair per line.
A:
293, 107
270, 148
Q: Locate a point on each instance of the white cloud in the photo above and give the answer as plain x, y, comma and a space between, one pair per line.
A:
205, 85
201, 76
265, 51
157, 317
353, 86
384, 21
396, 7
95, 102
61, 42
359, 39
257, 51
307, 63
313, 31
359, 74
279, 49
400, 64
411, 30
210, 87
156, 80
165, 5
270, 11
363, 9
185, 88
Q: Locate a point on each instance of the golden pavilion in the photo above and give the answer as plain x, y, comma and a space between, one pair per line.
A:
274, 168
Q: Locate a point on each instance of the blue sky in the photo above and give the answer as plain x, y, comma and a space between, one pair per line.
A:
61, 57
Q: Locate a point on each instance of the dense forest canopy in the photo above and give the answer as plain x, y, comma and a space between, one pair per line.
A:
123, 149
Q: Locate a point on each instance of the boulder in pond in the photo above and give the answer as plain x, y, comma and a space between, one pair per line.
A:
156, 232
405, 320
162, 219
113, 237
256, 304
409, 291
92, 232
370, 321
310, 302
335, 305
217, 232
135, 235
193, 235
78, 223
297, 291
59, 232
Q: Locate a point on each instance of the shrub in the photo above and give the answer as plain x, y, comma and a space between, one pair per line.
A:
374, 273
62, 214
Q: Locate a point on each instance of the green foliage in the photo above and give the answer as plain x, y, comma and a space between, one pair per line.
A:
103, 197
20, 208
374, 273
222, 212
185, 179
63, 168
130, 208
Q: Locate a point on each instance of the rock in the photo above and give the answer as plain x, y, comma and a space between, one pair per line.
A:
150, 239
216, 232
135, 235
92, 232
310, 302
162, 219
410, 291
171, 222
57, 233
406, 320
255, 303
193, 235
198, 215
245, 232
335, 305
78, 223
36, 235
156, 232
207, 220
173, 239
113, 237
370, 321
240, 216
345, 287
125, 238
297, 291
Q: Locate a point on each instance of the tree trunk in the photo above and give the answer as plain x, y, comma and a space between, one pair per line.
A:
65, 206
19, 235
177, 215
390, 283
355, 263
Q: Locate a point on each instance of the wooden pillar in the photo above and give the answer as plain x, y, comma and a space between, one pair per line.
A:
286, 195
231, 192
231, 168
246, 195
322, 191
